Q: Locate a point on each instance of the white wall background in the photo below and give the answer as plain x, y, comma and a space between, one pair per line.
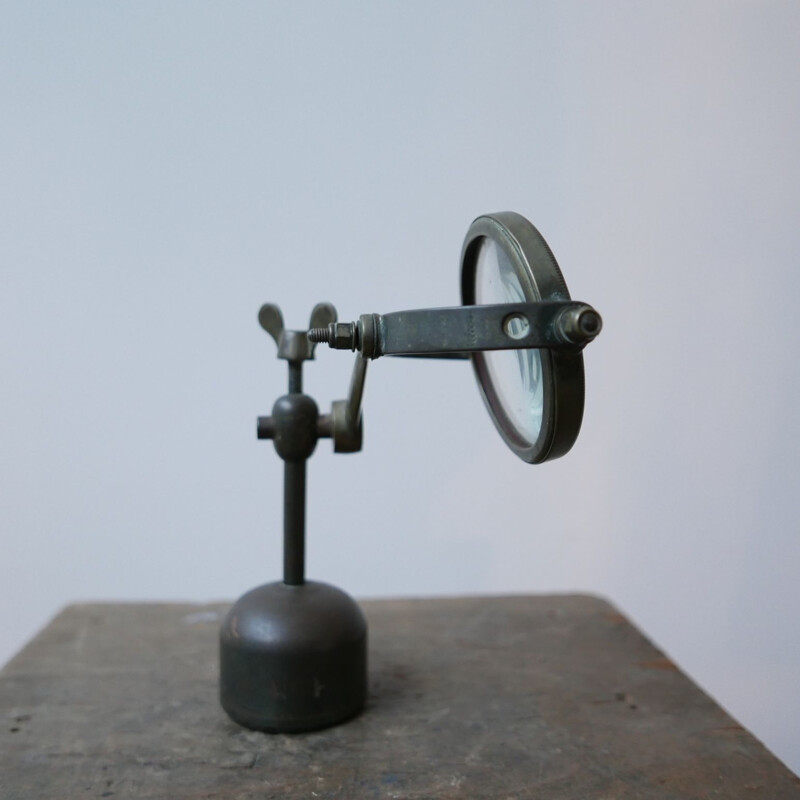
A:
167, 168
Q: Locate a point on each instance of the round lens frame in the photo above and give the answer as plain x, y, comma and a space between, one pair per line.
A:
562, 370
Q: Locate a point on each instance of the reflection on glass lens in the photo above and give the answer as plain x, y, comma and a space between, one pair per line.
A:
516, 375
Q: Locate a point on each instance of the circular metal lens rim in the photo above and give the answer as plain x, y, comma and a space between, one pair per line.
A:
562, 371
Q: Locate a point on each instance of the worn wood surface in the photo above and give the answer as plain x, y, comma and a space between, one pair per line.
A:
519, 697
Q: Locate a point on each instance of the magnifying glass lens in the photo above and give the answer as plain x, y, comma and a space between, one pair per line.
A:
516, 375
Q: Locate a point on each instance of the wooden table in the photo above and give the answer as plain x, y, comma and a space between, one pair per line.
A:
515, 697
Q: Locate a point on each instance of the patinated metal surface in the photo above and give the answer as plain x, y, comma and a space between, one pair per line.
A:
464, 329
524, 697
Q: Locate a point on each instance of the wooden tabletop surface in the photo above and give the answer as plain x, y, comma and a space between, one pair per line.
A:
514, 697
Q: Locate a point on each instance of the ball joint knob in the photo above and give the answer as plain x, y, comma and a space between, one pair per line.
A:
292, 426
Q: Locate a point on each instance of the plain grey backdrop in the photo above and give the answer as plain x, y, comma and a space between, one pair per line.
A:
165, 168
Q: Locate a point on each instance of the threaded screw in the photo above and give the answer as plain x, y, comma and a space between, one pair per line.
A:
339, 335
318, 335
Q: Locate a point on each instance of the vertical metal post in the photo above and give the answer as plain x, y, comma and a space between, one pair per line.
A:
295, 377
294, 502
294, 522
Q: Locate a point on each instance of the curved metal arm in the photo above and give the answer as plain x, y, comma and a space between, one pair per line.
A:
356, 391
344, 424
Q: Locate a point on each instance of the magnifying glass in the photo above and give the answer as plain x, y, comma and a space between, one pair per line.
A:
293, 654
534, 396
519, 326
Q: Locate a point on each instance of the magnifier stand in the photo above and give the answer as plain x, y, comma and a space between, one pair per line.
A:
293, 654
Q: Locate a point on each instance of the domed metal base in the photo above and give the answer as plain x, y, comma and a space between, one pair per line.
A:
293, 658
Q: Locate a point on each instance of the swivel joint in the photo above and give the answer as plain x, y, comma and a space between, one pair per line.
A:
292, 426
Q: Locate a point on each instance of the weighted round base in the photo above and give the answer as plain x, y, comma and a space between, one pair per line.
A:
293, 658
